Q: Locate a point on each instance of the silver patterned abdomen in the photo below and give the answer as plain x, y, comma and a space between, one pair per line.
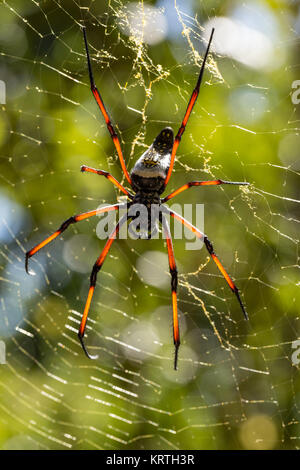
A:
149, 172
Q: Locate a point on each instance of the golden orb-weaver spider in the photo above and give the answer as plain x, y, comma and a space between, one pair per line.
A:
148, 180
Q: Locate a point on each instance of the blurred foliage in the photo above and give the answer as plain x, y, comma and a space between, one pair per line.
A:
236, 386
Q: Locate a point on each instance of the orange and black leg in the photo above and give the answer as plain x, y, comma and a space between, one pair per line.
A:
72, 220
212, 253
107, 175
101, 105
188, 111
200, 183
96, 268
174, 283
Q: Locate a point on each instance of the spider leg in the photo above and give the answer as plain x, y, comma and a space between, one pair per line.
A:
190, 106
200, 183
210, 250
96, 268
109, 177
174, 282
72, 220
101, 105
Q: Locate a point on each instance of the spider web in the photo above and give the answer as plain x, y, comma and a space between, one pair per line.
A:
237, 385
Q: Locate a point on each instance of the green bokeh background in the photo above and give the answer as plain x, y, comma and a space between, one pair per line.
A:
237, 386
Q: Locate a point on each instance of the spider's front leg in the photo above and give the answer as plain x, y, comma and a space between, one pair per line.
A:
72, 220
189, 109
104, 112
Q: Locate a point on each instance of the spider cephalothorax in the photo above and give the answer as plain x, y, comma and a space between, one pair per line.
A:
148, 179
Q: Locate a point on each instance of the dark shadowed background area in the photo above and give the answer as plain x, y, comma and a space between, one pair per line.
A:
238, 384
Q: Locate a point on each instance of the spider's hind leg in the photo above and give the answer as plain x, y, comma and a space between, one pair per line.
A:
174, 283
93, 279
210, 249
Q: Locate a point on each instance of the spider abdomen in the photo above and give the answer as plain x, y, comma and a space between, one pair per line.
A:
149, 173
